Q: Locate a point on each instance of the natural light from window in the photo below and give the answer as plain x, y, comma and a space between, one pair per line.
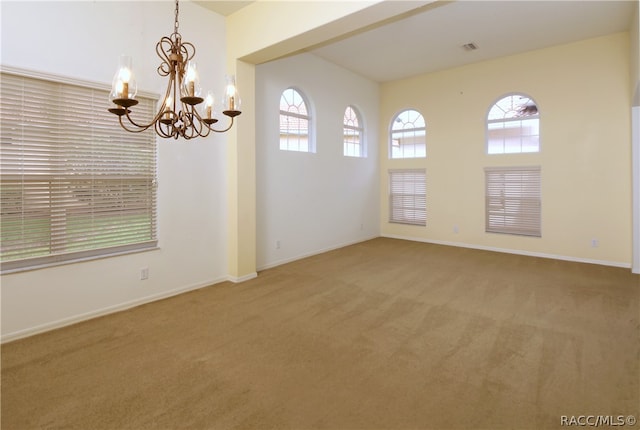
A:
513, 126
353, 133
294, 122
408, 135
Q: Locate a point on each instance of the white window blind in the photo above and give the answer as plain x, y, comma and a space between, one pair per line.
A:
513, 200
73, 184
408, 196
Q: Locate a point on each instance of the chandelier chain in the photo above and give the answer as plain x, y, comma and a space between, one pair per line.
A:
176, 21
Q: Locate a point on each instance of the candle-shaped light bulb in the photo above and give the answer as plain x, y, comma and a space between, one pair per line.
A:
125, 77
232, 101
119, 89
167, 107
208, 105
124, 85
191, 81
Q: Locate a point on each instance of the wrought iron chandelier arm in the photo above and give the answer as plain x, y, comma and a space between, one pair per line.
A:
162, 109
200, 126
223, 130
138, 129
142, 127
208, 127
164, 133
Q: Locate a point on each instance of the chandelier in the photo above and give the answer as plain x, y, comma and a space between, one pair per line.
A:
178, 115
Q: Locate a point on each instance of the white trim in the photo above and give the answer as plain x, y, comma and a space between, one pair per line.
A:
9, 337
240, 279
635, 156
63, 262
312, 253
514, 251
36, 74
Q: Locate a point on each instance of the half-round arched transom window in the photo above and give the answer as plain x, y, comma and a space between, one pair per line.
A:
513, 125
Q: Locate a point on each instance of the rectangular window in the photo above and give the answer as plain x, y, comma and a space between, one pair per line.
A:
513, 201
352, 143
294, 133
73, 183
408, 144
408, 196
513, 137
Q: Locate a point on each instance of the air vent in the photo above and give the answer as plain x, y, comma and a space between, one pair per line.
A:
470, 46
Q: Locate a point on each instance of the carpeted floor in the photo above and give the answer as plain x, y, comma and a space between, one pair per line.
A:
386, 334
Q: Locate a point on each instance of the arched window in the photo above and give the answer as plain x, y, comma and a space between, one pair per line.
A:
295, 122
513, 125
353, 133
408, 135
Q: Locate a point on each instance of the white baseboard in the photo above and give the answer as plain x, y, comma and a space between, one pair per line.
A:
104, 311
239, 279
514, 251
160, 296
312, 253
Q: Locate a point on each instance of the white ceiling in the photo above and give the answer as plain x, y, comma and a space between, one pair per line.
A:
223, 7
432, 38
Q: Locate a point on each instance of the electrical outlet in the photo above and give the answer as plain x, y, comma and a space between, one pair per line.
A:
595, 243
277, 244
144, 273
456, 229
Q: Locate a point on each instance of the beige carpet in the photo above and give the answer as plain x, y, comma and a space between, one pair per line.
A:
386, 334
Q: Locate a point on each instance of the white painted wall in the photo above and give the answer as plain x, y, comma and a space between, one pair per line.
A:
311, 202
635, 155
84, 40
634, 43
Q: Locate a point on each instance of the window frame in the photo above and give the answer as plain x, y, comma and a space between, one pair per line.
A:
405, 180
99, 226
357, 129
413, 130
308, 118
512, 120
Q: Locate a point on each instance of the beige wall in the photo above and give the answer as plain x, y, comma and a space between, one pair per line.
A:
583, 92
